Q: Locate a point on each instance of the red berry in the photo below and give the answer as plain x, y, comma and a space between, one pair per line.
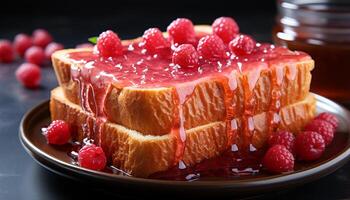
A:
242, 45
58, 132
21, 43
330, 118
211, 46
278, 159
109, 44
181, 31
51, 48
283, 138
6, 51
41, 38
186, 55
226, 28
35, 55
29, 75
309, 145
154, 40
92, 157
325, 129
84, 45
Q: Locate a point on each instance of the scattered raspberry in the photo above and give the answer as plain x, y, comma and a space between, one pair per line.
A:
186, 55
92, 157
109, 44
6, 51
51, 48
283, 138
29, 75
35, 55
154, 40
84, 45
41, 38
330, 118
242, 45
211, 46
21, 43
226, 28
325, 129
58, 132
182, 31
309, 145
278, 159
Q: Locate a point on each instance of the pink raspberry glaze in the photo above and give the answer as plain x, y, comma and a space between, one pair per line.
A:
139, 69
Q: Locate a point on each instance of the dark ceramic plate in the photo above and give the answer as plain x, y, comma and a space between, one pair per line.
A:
56, 160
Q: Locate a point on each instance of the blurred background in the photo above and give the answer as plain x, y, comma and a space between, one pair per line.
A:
72, 22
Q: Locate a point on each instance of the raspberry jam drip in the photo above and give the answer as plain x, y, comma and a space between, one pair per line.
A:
180, 95
277, 75
230, 85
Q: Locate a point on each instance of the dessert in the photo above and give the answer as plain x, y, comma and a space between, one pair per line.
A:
178, 98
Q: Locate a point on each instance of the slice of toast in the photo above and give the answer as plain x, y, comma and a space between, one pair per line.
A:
141, 155
150, 111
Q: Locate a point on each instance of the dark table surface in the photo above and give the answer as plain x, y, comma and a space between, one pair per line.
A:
22, 178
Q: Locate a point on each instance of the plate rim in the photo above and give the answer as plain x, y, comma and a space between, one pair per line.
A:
290, 178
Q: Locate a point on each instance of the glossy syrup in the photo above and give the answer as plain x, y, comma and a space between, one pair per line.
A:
136, 68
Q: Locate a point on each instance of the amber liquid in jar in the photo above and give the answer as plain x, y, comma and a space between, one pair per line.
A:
322, 30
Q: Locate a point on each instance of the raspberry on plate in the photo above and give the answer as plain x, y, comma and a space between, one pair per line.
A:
6, 51
41, 38
154, 40
330, 118
309, 145
211, 47
92, 157
58, 132
35, 55
186, 55
29, 75
51, 48
181, 31
278, 159
283, 138
226, 28
109, 45
21, 43
242, 45
325, 129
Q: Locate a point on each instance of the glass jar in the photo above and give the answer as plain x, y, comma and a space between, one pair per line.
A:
320, 28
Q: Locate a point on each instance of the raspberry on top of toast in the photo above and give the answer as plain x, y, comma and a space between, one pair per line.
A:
154, 59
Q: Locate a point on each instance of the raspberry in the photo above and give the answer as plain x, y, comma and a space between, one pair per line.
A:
109, 44
6, 51
242, 45
58, 132
325, 129
29, 75
226, 28
41, 38
35, 55
283, 138
153, 40
330, 118
211, 46
182, 31
84, 45
92, 157
51, 48
278, 159
21, 43
309, 145
186, 55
